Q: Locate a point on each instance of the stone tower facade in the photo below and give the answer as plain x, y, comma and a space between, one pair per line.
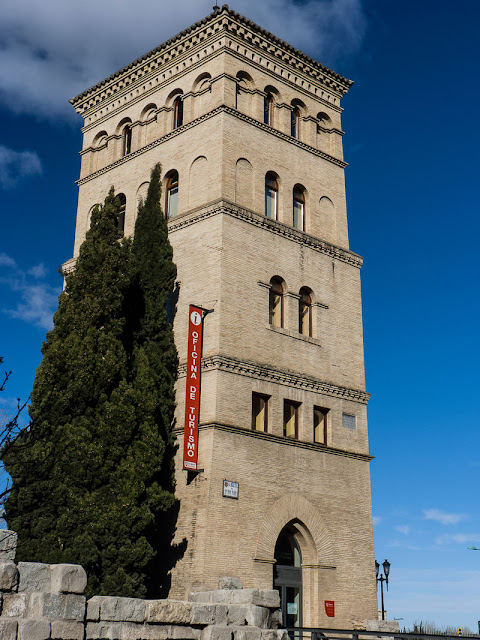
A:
248, 133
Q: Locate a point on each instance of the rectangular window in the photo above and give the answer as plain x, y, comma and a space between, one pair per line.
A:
320, 425
298, 215
260, 412
270, 203
349, 421
290, 418
172, 202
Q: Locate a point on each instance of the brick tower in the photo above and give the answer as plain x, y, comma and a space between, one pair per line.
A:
248, 133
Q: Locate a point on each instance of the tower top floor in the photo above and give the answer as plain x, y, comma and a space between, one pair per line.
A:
221, 30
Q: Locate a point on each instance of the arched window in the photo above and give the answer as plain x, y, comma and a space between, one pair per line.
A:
268, 109
305, 325
295, 123
275, 302
323, 120
171, 204
122, 205
271, 195
299, 207
126, 140
177, 112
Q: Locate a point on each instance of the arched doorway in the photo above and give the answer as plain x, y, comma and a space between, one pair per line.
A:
287, 576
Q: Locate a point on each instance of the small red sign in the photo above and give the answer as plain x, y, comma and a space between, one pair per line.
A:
192, 388
330, 608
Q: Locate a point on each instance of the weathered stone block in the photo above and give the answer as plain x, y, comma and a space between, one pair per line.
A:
8, 629
29, 629
122, 609
248, 633
217, 632
8, 575
383, 625
276, 619
229, 583
68, 578
14, 605
221, 614
207, 613
168, 611
282, 634
269, 634
65, 606
200, 596
237, 614
8, 544
93, 608
34, 576
261, 597
258, 616
67, 630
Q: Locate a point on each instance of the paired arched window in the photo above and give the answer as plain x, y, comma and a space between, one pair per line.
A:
268, 109
121, 201
305, 324
177, 112
271, 195
126, 140
275, 302
299, 207
171, 200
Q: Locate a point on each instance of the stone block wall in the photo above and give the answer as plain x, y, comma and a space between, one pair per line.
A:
46, 602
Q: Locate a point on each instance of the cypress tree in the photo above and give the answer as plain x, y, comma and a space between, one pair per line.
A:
155, 349
87, 475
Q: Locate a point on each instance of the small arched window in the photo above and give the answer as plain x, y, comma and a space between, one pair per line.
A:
305, 324
295, 123
271, 195
171, 204
127, 140
121, 201
323, 121
268, 109
177, 112
299, 207
275, 302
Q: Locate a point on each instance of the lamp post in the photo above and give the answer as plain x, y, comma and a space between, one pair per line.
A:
381, 579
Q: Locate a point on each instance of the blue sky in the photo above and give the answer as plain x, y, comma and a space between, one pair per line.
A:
412, 140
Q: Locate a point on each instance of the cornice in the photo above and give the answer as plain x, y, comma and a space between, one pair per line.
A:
202, 118
274, 226
288, 442
278, 376
231, 23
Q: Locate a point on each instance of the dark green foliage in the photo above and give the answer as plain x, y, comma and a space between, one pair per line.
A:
91, 482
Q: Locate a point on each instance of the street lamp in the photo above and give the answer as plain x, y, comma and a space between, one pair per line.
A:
381, 579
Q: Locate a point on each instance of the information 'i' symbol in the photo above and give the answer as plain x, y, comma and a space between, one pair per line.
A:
196, 318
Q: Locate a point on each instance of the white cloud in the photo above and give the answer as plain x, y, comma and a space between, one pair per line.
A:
15, 165
403, 528
38, 271
53, 50
6, 261
442, 516
447, 595
458, 538
37, 300
377, 520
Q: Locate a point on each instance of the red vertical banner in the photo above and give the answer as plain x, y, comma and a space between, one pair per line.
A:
192, 388
330, 608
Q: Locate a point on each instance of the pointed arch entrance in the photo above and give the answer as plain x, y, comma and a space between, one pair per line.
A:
287, 576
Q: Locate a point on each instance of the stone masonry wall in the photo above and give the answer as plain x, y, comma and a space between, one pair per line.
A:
45, 602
